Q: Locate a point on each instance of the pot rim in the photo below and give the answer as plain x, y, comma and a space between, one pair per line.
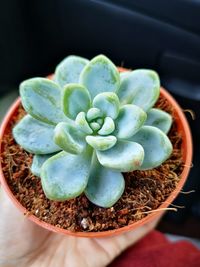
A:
183, 127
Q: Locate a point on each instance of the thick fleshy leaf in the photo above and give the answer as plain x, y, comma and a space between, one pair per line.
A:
101, 142
141, 87
93, 113
129, 121
69, 69
95, 126
160, 119
75, 99
68, 137
38, 161
108, 103
105, 186
82, 123
100, 121
65, 176
125, 156
100, 75
108, 127
124, 74
35, 136
157, 146
41, 98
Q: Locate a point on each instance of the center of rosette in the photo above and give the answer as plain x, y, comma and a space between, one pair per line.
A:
99, 123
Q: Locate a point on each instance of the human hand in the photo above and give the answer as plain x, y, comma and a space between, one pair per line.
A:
25, 244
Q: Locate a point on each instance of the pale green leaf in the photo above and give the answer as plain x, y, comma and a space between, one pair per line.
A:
38, 161
124, 74
100, 75
157, 146
69, 69
35, 136
108, 103
95, 126
101, 142
160, 119
105, 187
75, 99
100, 121
93, 113
65, 176
68, 137
41, 98
141, 88
108, 127
82, 123
129, 121
125, 156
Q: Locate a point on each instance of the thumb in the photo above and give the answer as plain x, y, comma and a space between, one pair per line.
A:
17, 233
115, 245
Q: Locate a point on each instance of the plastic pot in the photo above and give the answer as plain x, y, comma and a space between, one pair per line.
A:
183, 129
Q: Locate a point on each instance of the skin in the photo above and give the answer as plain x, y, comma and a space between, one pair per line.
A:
23, 243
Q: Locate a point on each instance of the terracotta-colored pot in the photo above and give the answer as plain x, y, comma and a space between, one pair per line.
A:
183, 129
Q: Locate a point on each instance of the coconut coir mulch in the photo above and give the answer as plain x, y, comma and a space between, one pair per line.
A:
145, 191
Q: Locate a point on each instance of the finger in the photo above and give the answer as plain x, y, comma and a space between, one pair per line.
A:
129, 238
17, 233
115, 245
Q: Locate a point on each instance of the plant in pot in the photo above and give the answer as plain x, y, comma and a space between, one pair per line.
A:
99, 161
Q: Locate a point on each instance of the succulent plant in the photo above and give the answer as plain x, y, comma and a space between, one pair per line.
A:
88, 125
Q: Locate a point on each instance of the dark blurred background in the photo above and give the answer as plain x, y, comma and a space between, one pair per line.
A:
163, 35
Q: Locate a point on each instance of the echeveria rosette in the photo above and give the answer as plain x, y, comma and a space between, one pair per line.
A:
91, 124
